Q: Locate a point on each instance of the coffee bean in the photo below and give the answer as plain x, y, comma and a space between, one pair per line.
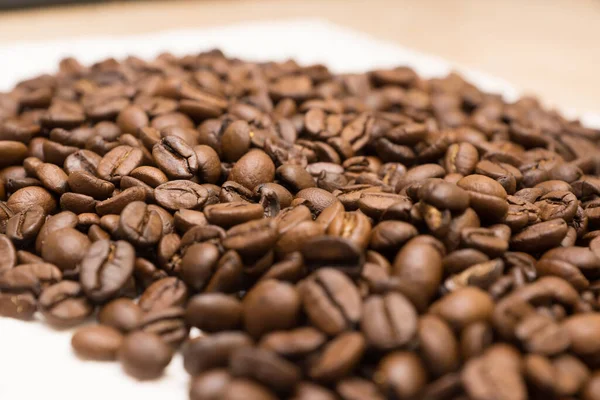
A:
86, 183
118, 202
164, 293
233, 213
180, 194
270, 306
25, 198
330, 300
97, 342
539, 237
265, 367
119, 162
402, 374
240, 389
254, 168
235, 141
214, 312
389, 321
140, 225
64, 304
122, 314
144, 355
438, 345
29, 277
464, 306
106, 268
131, 119
487, 197
167, 323
23, 227
339, 357
212, 351
504, 361
18, 305
65, 248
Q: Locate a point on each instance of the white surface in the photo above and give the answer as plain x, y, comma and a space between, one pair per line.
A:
36, 361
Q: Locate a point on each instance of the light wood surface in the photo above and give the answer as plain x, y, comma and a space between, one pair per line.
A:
546, 47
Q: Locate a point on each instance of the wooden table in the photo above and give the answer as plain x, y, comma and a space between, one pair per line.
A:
547, 47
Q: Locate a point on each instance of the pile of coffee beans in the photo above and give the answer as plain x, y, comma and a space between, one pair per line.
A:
301, 235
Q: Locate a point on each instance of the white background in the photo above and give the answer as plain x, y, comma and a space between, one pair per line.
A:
35, 360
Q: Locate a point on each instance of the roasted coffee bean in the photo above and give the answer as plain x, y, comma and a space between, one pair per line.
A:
23, 227
540, 237
29, 277
437, 345
389, 321
97, 342
402, 374
464, 306
265, 367
144, 355
233, 213
501, 363
254, 168
167, 323
9, 254
214, 312
86, 183
330, 300
252, 239
64, 304
175, 158
338, 358
212, 351
140, 225
119, 162
18, 305
65, 248
180, 194
269, 306
487, 197
106, 269
25, 198
122, 314
164, 293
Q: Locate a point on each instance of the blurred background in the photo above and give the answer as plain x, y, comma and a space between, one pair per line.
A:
546, 47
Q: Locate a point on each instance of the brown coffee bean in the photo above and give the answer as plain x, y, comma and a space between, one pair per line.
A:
25, 198
144, 355
212, 351
86, 183
504, 361
64, 304
7, 249
119, 162
118, 202
164, 293
464, 306
389, 321
330, 300
265, 367
233, 213
214, 312
540, 237
487, 197
18, 305
166, 323
339, 357
131, 119
235, 141
270, 306
97, 342
23, 227
402, 374
122, 314
65, 248
438, 345
106, 269
140, 225
252, 169
181, 194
